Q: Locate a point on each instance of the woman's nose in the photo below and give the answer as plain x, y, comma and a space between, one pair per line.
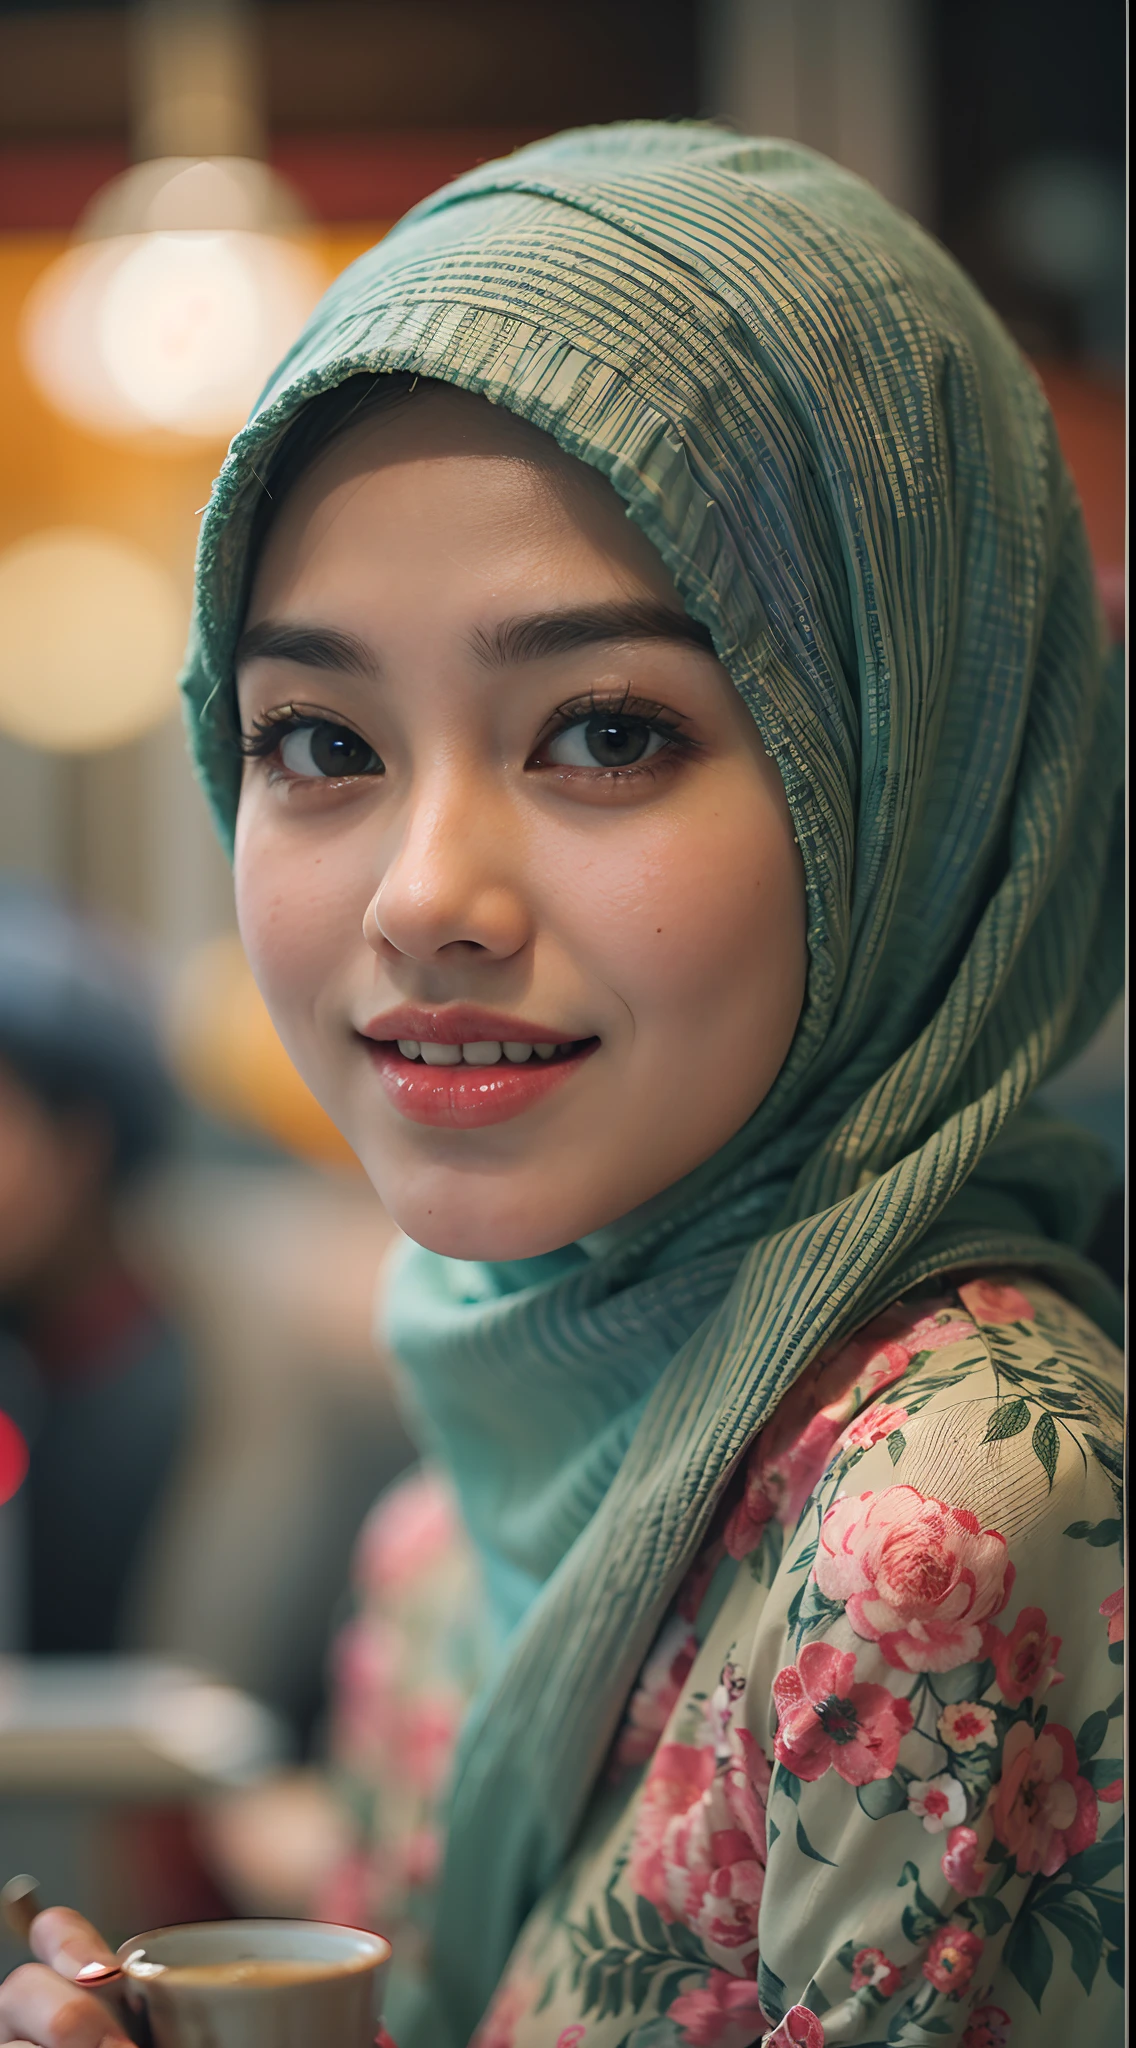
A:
452, 881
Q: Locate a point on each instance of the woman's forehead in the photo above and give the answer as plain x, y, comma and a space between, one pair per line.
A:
444, 464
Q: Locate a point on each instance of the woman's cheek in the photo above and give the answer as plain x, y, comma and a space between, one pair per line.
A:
294, 920
703, 930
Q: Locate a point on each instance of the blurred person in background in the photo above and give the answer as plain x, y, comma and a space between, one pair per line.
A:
92, 1374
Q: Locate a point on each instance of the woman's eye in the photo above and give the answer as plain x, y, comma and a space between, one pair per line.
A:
607, 739
323, 749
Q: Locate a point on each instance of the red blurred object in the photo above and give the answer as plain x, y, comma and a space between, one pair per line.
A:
13, 1459
369, 177
163, 1878
1090, 416
46, 185
339, 177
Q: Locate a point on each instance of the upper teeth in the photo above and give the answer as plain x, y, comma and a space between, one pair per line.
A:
481, 1052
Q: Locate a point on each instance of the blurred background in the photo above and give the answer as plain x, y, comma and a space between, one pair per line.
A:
193, 1421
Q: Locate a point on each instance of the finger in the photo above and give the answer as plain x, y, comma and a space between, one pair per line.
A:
68, 1942
36, 2005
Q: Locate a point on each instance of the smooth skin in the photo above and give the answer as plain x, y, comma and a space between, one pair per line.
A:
469, 849
657, 907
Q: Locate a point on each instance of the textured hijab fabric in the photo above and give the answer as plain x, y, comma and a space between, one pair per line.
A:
854, 480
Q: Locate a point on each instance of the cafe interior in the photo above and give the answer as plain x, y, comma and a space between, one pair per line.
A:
194, 1417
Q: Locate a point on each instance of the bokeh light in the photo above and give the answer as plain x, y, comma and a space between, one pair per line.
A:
184, 287
91, 634
175, 330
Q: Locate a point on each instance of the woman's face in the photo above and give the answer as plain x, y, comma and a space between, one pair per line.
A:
514, 872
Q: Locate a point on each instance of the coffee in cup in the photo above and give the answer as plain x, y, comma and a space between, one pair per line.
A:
255, 1984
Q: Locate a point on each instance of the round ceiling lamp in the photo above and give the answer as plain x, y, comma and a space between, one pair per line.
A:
181, 293
91, 636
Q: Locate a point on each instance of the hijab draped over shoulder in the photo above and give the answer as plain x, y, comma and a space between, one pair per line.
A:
854, 480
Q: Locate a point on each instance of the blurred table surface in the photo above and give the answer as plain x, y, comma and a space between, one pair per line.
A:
102, 1761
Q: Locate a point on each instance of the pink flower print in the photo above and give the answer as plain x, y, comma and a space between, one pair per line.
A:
721, 2013
967, 1726
1024, 1660
680, 1774
872, 1970
1112, 1793
993, 1304
1043, 1810
431, 1723
963, 1865
872, 1426
916, 1576
510, 2006
952, 1959
789, 1456
987, 2027
800, 2028
1113, 1611
657, 1694
827, 1721
782, 1469
699, 1847
407, 1533
938, 1802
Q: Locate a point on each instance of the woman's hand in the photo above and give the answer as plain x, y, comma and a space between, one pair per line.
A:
41, 2006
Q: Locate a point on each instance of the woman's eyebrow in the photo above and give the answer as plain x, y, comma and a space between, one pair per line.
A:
310, 646
562, 632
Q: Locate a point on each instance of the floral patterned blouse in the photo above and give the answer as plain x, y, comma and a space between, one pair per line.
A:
868, 1787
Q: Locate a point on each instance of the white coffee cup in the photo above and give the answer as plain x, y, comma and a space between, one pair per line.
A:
255, 1984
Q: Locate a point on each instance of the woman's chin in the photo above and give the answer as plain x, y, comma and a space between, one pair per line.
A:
470, 1224
476, 1239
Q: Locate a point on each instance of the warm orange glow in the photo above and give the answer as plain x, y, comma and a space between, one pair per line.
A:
228, 1058
92, 630
52, 473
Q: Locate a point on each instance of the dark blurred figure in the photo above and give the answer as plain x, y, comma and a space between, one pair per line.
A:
91, 1375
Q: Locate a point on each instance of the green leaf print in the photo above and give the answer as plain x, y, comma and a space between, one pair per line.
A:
1081, 1929
787, 1781
1029, 1957
1095, 1862
923, 1917
1109, 1909
1008, 1419
1091, 1735
896, 1444
1099, 1534
882, 1796
1115, 1967
806, 1847
1044, 1442
965, 1682
771, 1992
652, 1933
989, 1914
620, 1919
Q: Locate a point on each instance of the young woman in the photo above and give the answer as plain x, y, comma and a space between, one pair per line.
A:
647, 664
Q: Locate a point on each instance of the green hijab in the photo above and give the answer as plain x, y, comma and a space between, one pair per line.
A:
854, 480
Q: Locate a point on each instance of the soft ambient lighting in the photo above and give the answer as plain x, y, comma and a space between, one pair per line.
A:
91, 635
175, 303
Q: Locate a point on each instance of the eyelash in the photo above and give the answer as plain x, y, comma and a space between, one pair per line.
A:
657, 719
271, 728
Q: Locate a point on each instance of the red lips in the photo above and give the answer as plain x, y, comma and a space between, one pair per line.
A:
462, 1097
